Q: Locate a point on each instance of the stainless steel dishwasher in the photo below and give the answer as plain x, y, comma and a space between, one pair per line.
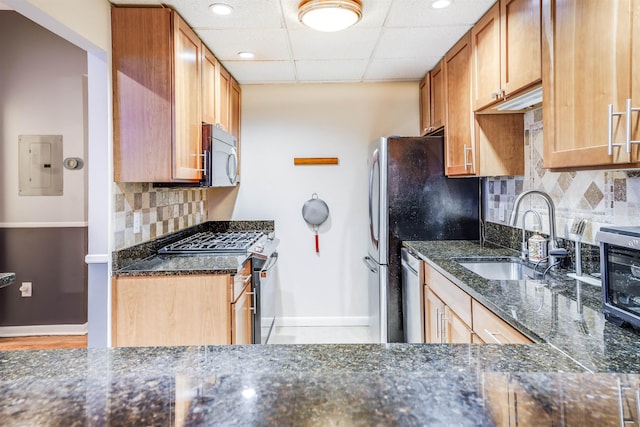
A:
412, 297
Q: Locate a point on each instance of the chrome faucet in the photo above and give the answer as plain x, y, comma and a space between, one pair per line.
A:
553, 243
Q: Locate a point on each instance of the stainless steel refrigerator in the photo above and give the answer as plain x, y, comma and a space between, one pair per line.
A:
410, 198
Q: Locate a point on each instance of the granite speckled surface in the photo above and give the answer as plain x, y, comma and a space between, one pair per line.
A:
563, 313
6, 279
141, 260
291, 385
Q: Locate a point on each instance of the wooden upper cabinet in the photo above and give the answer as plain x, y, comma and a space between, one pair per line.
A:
425, 105
234, 108
156, 75
588, 65
520, 45
485, 37
506, 51
209, 71
187, 141
436, 76
459, 148
223, 89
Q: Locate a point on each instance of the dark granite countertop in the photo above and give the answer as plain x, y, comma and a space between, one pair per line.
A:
311, 385
561, 312
6, 279
142, 260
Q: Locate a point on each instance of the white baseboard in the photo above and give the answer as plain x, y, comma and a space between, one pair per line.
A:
322, 321
28, 331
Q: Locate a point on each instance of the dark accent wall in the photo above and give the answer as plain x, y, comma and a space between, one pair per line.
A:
53, 260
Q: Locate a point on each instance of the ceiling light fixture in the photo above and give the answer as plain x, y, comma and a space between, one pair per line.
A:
441, 4
246, 55
329, 15
221, 9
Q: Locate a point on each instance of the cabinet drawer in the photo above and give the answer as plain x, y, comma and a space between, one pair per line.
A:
457, 299
493, 329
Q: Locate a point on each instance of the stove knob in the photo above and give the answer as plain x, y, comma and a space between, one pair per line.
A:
259, 247
271, 235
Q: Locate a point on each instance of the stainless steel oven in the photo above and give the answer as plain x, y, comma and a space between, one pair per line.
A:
264, 264
620, 268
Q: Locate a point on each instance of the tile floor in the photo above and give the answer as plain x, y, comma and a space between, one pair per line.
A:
321, 335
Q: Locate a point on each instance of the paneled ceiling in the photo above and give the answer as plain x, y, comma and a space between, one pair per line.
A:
396, 40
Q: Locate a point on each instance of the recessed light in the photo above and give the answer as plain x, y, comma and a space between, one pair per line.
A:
441, 4
220, 8
246, 55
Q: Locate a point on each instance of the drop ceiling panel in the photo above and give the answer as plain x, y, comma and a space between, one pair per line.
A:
419, 13
348, 44
399, 69
247, 72
417, 42
270, 45
331, 71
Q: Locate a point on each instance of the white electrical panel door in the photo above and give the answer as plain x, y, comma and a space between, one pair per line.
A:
40, 165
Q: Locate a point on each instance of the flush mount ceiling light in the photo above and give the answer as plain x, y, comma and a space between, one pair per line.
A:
246, 55
329, 15
441, 4
221, 9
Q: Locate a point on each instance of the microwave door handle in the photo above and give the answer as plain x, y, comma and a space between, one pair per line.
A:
232, 155
205, 170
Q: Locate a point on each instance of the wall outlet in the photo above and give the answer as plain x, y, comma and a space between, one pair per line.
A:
502, 212
137, 227
25, 288
201, 208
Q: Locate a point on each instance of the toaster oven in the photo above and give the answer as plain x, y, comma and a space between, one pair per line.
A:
620, 268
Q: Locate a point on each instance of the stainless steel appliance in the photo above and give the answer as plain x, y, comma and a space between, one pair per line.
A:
219, 160
410, 198
412, 296
620, 269
261, 251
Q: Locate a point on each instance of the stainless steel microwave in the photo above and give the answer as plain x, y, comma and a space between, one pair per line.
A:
620, 268
219, 160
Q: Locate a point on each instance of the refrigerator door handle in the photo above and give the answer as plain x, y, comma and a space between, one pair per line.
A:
374, 159
368, 261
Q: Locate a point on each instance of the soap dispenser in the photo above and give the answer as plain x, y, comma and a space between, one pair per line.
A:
537, 245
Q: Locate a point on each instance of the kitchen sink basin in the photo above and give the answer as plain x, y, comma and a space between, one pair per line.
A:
497, 269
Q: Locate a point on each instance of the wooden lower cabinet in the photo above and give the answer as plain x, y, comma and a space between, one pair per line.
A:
452, 316
241, 316
492, 329
172, 310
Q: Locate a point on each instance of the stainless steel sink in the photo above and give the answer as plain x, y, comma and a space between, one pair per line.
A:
497, 269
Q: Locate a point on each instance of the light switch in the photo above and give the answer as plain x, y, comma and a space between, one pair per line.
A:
137, 228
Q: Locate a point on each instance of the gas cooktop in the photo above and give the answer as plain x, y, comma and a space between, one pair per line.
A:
208, 242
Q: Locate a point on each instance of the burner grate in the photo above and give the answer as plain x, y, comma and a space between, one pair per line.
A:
233, 242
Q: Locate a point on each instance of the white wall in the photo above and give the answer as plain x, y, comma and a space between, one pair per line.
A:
42, 91
280, 122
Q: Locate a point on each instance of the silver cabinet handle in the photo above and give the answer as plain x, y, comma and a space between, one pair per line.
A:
630, 111
253, 307
205, 161
464, 153
438, 328
493, 336
610, 143
443, 323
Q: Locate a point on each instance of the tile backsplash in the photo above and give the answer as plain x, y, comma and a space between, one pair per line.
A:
162, 211
600, 197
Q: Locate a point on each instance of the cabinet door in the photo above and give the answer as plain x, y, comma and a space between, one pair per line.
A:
235, 97
171, 310
485, 39
586, 66
456, 331
224, 88
433, 314
241, 317
437, 95
425, 105
459, 148
635, 83
187, 141
492, 329
520, 56
209, 66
